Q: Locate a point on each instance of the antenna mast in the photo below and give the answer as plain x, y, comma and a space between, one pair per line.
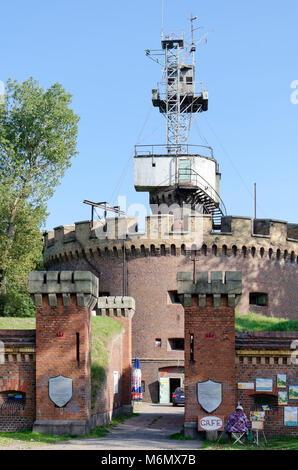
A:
162, 18
179, 173
175, 96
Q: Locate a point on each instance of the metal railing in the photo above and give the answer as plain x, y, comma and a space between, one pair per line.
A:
192, 177
173, 150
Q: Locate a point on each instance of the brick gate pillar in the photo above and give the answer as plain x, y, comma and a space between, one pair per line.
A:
122, 309
209, 305
64, 301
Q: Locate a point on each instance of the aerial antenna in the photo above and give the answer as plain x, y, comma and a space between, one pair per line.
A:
102, 205
162, 17
192, 19
193, 46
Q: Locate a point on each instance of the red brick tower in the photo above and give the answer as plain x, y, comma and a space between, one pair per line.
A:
63, 325
209, 306
122, 309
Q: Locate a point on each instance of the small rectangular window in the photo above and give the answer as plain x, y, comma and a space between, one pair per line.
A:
258, 299
158, 342
173, 297
78, 348
191, 344
176, 344
189, 80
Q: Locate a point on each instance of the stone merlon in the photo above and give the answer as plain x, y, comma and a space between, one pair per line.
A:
116, 306
218, 283
81, 283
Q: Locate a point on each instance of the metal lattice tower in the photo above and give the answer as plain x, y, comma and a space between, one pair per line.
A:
175, 96
179, 173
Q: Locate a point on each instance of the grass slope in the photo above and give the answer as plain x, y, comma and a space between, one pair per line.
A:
15, 323
256, 322
103, 329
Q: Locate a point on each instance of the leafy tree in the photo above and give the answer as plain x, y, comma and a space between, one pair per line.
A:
16, 304
38, 135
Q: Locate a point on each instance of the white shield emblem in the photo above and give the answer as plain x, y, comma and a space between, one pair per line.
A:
60, 390
209, 395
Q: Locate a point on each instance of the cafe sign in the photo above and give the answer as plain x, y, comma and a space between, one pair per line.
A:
210, 423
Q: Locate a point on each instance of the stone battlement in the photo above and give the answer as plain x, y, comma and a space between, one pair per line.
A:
165, 236
116, 306
83, 284
215, 283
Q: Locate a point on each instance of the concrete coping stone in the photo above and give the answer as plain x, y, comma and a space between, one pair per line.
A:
153, 216
179, 233
258, 235
221, 233
116, 302
63, 282
276, 221
229, 282
239, 217
83, 222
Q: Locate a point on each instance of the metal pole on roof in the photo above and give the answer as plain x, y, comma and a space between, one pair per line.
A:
162, 17
255, 200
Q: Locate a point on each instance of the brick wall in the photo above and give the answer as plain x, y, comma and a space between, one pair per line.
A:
126, 360
214, 351
111, 402
56, 353
151, 277
108, 402
274, 422
17, 374
264, 355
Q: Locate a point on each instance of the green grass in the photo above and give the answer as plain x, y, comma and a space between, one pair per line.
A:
28, 439
155, 420
103, 329
282, 443
257, 322
179, 436
106, 327
14, 323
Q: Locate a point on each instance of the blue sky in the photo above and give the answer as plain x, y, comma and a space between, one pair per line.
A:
95, 49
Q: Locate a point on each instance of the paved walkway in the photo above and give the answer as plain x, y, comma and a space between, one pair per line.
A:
148, 431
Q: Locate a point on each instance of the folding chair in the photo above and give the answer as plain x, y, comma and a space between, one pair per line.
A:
238, 437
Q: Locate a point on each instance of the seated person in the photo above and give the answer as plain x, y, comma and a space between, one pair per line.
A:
237, 422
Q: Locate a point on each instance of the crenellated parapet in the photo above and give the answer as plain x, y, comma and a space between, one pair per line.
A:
165, 235
82, 284
216, 284
116, 306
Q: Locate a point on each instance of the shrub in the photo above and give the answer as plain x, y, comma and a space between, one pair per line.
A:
16, 304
